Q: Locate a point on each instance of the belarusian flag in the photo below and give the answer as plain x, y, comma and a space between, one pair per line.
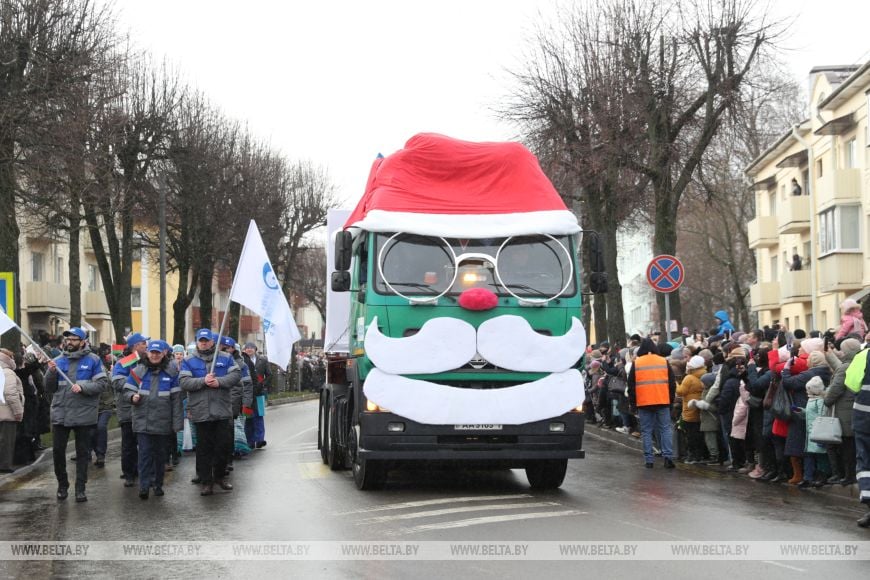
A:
129, 360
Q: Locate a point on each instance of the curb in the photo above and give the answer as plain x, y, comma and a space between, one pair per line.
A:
850, 492
44, 460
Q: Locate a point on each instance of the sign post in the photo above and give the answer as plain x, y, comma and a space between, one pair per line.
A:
665, 274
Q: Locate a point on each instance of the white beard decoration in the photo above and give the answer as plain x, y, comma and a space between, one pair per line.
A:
444, 344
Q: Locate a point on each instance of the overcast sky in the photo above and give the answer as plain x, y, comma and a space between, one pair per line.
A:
338, 82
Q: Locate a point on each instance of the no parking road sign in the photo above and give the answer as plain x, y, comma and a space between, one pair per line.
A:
665, 273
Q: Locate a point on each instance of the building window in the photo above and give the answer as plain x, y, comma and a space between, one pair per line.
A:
92, 278
58, 270
839, 229
824, 318
805, 177
37, 272
772, 206
774, 269
136, 297
851, 154
819, 168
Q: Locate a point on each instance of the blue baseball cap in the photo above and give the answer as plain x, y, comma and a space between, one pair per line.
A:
227, 341
136, 338
204, 333
77, 332
156, 346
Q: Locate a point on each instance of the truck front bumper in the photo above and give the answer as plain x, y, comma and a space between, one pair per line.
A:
512, 445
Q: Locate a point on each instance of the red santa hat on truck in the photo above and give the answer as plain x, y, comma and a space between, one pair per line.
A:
446, 187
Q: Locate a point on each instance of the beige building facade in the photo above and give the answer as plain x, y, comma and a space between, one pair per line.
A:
810, 233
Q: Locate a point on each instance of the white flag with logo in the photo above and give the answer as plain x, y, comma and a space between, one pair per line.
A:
257, 288
6, 323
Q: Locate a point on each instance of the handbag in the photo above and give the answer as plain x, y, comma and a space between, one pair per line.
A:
754, 402
781, 405
827, 430
616, 385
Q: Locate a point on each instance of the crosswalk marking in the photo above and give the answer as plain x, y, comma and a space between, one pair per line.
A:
491, 520
458, 510
428, 502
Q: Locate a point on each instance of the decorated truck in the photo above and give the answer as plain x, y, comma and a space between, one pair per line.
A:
458, 285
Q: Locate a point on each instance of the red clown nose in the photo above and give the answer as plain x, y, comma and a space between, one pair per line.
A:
478, 299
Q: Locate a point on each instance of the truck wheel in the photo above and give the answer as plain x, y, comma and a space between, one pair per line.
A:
334, 453
323, 428
367, 474
547, 474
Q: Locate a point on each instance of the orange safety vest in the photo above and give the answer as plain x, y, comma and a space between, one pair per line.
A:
651, 381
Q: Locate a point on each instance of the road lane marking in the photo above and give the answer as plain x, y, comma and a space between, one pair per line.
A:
313, 470
492, 520
795, 568
412, 504
304, 431
458, 510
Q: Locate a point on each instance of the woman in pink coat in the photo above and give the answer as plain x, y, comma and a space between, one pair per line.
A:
852, 320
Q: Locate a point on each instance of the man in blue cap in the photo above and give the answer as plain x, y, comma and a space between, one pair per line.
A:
137, 345
74, 406
157, 413
208, 377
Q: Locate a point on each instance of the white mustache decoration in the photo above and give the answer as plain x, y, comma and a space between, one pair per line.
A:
444, 344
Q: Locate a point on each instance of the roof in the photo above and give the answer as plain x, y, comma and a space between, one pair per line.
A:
849, 84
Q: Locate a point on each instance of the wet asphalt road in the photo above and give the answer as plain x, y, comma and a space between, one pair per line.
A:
284, 493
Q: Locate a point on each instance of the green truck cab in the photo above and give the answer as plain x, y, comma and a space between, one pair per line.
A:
461, 287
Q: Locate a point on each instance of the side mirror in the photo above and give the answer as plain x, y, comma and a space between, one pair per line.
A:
598, 282
341, 281
343, 250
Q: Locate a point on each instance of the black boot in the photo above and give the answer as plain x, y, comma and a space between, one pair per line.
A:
865, 521
80, 495
62, 492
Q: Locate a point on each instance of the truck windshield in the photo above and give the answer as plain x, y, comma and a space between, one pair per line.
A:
537, 266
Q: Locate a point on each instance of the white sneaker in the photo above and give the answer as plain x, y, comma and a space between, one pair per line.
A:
622, 430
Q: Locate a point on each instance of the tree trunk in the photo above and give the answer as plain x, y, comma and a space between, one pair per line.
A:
75, 278
183, 298
9, 238
665, 242
615, 311
206, 271
235, 311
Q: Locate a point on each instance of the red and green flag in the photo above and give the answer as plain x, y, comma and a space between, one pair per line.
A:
129, 360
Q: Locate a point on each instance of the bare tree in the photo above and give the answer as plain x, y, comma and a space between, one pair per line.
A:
131, 136
576, 111
719, 204
46, 46
689, 62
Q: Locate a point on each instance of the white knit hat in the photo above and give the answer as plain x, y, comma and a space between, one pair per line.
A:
815, 386
696, 362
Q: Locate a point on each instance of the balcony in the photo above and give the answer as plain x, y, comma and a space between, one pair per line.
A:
795, 287
95, 304
839, 186
841, 272
763, 232
46, 297
764, 296
794, 214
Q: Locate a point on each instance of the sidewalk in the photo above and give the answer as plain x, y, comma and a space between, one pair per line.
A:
635, 444
45, 460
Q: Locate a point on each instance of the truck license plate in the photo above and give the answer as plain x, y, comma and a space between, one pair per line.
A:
485, 427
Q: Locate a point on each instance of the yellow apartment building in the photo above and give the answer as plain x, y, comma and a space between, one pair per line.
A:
813, 201
45, 289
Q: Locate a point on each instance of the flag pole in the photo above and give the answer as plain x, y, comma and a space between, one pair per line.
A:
217, 344
33, 342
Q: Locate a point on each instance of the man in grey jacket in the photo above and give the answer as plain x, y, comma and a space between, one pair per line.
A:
210, 407
74, 406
